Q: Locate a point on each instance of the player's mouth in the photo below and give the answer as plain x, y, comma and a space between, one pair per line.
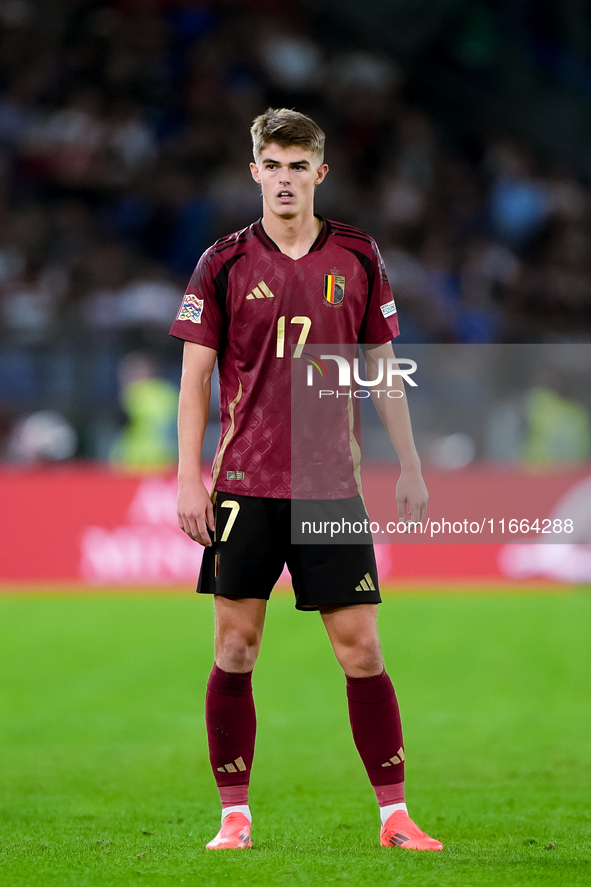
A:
285, 196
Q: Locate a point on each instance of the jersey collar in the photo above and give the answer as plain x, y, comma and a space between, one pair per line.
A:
271, 245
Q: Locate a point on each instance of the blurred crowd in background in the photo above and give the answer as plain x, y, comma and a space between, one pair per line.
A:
124, 147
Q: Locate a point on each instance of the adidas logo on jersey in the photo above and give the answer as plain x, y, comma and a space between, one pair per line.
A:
395, 759
261, 291
366, 584
238, 764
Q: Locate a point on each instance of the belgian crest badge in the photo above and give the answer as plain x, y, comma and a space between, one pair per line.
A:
334, 288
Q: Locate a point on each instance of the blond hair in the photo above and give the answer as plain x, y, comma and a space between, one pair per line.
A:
284, 127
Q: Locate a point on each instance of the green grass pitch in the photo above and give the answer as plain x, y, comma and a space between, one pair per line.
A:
104, 777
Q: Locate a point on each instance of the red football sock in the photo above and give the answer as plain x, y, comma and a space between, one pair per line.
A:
231, 727
377, 731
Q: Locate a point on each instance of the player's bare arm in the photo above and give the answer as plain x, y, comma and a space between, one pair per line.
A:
194, 508
411, 492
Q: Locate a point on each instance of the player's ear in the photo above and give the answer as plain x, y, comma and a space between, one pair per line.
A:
254, 171
321, 173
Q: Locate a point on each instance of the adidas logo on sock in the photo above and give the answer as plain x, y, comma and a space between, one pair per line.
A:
238, 764
395, 759
366, 584
261, 291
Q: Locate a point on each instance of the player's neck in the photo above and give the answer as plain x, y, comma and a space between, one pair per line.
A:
294, 237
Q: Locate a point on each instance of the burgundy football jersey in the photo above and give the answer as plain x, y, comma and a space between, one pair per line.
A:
262, 311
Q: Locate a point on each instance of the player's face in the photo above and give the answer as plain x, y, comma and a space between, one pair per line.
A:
288, 177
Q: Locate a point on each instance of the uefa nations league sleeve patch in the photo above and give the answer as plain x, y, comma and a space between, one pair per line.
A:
191, 309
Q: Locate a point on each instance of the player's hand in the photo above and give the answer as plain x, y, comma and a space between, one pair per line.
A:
195, 512
411, 495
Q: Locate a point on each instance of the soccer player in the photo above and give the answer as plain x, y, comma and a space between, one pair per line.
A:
257, 299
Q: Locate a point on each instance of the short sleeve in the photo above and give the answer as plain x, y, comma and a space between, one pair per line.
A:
380, 323
200, 318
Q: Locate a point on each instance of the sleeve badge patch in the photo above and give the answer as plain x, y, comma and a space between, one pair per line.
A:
388, 309
191, 309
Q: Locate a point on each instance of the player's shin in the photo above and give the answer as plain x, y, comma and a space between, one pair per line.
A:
377, 731
231, 727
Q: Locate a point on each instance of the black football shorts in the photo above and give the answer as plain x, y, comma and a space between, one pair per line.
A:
252, 543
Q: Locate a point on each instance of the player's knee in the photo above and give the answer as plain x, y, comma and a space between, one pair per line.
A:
362, 658
237, 650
